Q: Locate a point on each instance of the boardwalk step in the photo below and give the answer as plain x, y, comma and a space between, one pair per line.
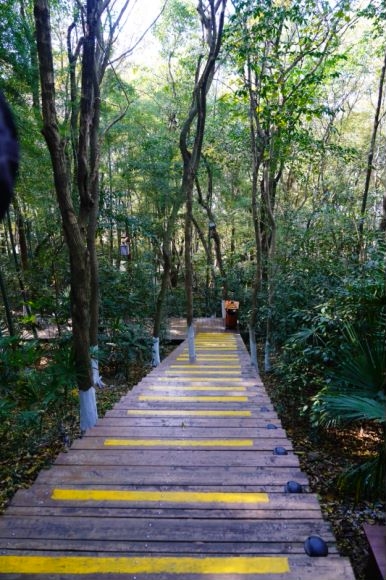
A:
189, 477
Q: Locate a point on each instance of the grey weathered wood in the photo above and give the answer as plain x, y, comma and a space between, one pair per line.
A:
37, 524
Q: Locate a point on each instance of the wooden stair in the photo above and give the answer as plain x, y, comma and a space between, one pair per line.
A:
180, 480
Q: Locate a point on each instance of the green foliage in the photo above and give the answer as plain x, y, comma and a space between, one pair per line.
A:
35, 385
355, 393
314, 119
15, 357
356, 386
368, 478
125, 344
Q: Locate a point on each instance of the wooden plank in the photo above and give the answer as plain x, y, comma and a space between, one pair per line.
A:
175, 418
186, 457
160, 529
177, 432
148, 419
161, 378
338, 569
105, 510
71, 546
174, 475
298, 505
191, 405
186, 441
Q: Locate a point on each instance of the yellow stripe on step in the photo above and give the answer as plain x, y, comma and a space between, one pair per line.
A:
201, 379
143, 565
158, 496
208, 388
204, 367
190, 413
197, 399
203, 372
210, 358
178, 442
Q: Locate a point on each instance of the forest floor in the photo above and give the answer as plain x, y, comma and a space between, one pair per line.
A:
323, 458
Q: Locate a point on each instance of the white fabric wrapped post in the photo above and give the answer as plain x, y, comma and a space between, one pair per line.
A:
155, 360
96, 378
191, 345
88, 409
253, 348
267, 357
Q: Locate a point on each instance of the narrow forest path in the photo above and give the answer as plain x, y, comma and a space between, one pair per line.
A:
187, 477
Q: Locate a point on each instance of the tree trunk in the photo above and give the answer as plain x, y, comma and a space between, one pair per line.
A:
167, 264
94, 152
269, 185
257, 143
370, 156
212, 29
256, 283
213, 230
187, 188
19, 275
8, 312
74, 232
21, 230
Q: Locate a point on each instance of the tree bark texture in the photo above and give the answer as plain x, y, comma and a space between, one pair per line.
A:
167, 265
212, 24
207, 205
370, 156
76, 242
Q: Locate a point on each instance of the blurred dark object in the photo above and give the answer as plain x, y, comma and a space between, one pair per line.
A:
9, 156
231, 310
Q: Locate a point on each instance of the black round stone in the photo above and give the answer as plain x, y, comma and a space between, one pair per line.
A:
315, 546
280, 451
293, 487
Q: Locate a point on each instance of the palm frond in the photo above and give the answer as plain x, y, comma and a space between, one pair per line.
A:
337, 409
366, 479
363, 364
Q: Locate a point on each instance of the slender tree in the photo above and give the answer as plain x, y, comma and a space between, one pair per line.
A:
79, 226
370, 156
284, 53
212, 15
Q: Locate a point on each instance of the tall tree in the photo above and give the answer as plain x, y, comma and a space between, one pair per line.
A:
284, 52
212, 15
79, 225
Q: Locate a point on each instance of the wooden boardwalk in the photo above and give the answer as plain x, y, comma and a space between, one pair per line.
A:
179, 481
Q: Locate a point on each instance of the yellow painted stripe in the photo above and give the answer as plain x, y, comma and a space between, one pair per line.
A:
198, 388
203, 372
196, 399
178, 442
204, 367
202, 379
211, 358
215, 336
203, 360
215, 344
190, 413
212, 344
143, 565
158, 496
